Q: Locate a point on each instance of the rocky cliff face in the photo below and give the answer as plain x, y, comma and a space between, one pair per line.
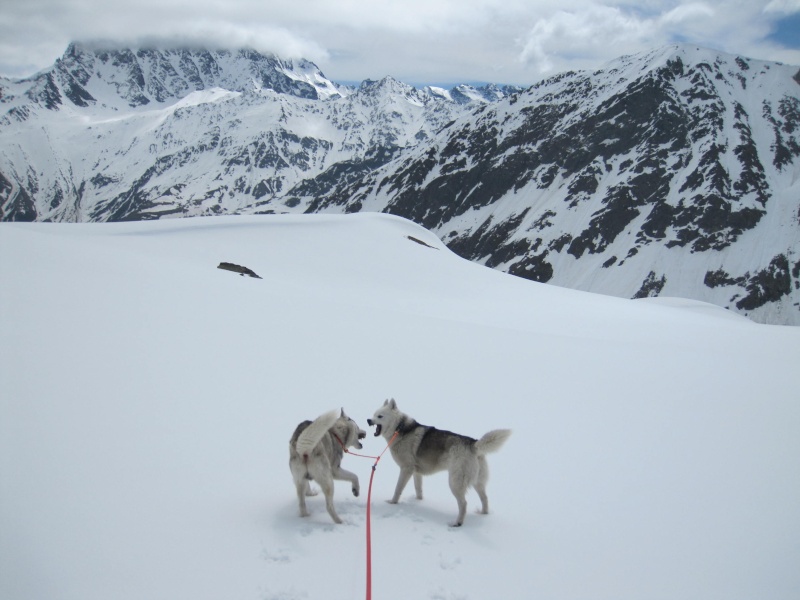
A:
669, 173
134, 134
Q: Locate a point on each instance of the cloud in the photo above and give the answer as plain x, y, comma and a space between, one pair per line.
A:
687, 12
264, 38
783, 7
592, 31
508, 41
26, 38
694, 22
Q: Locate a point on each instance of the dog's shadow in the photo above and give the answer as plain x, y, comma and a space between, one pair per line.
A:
425, 514
429, 512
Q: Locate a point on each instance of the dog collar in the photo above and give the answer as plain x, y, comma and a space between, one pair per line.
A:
404, 428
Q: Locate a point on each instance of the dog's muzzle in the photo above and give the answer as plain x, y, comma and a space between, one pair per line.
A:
377, 426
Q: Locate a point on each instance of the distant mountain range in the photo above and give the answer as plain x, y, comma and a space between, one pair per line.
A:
672, 173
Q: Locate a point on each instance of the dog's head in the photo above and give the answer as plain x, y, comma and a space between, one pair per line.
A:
385, 419
349, 431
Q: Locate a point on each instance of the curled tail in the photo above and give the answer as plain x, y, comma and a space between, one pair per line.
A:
492, 441
312, 434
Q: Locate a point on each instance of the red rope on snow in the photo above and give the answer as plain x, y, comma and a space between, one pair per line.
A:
369, 505
369, 519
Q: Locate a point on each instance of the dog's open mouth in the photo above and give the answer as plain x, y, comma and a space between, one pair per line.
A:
377, 426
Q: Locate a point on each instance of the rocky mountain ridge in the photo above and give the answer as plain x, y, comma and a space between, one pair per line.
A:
673, 172
135, 134
669, 173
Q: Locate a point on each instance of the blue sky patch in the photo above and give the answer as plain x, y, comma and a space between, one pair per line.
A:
787, 31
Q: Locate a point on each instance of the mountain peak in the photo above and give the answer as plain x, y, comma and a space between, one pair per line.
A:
153, 74
387, 83
689, 56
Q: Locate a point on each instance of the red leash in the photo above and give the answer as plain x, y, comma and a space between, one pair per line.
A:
369, 519
369, 506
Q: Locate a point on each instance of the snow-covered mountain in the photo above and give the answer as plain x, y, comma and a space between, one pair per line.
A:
671, 173
109, 135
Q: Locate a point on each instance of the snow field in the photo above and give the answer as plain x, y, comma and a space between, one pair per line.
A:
148, 400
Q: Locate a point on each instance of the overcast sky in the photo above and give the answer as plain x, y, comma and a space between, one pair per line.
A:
416, 41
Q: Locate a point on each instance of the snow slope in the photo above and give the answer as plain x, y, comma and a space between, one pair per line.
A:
148, 398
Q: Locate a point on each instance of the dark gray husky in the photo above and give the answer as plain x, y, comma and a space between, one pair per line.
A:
422, 450
315, 453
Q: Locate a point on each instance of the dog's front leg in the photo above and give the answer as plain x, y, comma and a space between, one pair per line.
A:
405, 475
344, 475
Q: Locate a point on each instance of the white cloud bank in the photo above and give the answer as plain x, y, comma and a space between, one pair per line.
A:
435, 41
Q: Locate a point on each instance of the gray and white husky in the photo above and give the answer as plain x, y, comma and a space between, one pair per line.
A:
422, 450
315, 454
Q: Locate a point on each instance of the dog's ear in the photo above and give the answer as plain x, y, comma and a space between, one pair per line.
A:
344, 416
392, 404
385, 402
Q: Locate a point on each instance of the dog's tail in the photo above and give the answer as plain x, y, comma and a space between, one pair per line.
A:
492, 441
312, 434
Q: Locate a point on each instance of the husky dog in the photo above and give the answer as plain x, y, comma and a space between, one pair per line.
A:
422, 450
315, 453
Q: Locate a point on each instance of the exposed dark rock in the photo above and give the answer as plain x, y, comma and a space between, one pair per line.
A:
651, 286
533, 267
237, 269
768, 285
420, 242
15, 205
719, 278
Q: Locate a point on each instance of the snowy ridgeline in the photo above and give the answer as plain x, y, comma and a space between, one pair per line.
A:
666, 173
148, 398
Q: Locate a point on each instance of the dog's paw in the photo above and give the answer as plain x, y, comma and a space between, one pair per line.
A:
356, 491
456, 524
392, 501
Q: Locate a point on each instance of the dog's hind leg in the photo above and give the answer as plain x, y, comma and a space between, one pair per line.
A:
459, 484
480, 484
327, 489
301, 483
325, 482
322, 474
302, 491
418, 485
